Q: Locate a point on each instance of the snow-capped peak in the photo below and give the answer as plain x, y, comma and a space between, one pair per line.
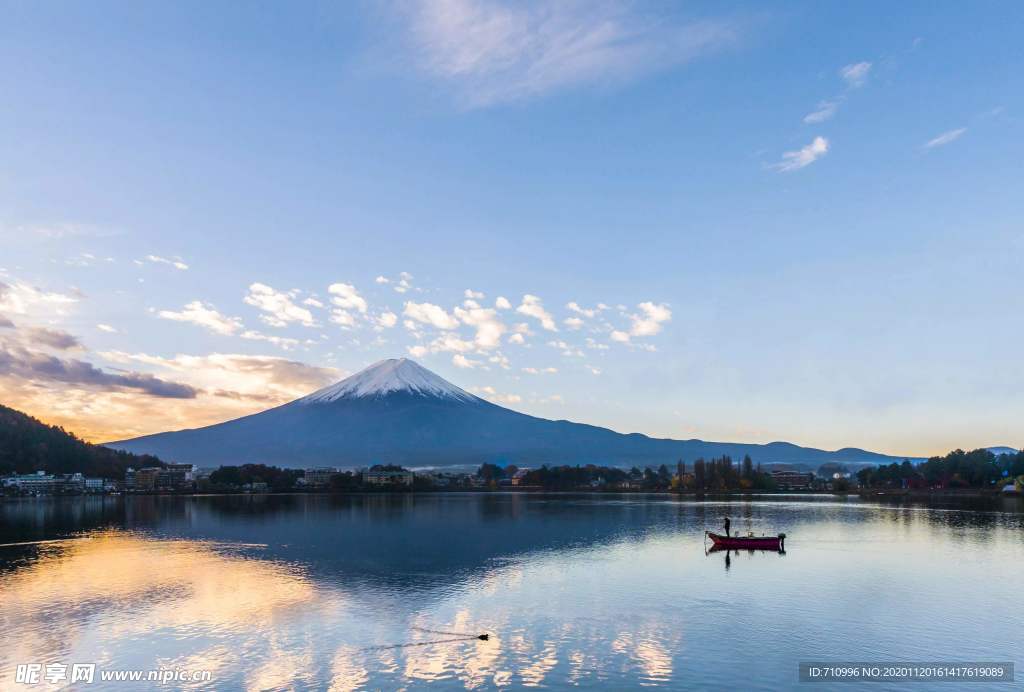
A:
386, 377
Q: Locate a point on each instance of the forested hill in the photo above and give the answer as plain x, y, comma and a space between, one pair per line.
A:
28, 445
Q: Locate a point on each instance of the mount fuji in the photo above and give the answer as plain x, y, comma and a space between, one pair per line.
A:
397, 411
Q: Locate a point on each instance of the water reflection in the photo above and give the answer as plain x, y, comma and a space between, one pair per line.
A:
350, 592
751, 552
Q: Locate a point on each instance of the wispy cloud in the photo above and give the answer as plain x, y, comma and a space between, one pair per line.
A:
805, 156
495, 52
824, 111
20, 298
172, 262
945, 138
283, 342
460, 361
204, 315
856, 74
401, 285
491, 394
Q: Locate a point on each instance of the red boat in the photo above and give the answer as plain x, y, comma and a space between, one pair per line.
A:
748, 542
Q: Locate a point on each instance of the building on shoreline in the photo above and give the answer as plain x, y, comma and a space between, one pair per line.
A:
318, 477
793, 480
385, 477
42, 483
160, 478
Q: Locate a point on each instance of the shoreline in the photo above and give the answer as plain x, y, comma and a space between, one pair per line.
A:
861, 494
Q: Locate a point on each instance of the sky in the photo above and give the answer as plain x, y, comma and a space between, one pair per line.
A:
727, 221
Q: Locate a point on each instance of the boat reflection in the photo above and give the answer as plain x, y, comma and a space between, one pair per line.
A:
729, 551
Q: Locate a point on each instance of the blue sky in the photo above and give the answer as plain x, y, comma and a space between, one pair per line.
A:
803, 219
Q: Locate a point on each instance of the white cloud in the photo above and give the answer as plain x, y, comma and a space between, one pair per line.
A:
204, 315
460, 361
404, 282
945, 138
649, 323
106, 328
566, 349
502, 303
84, 259
343, 318
417, 351
540, 371
795, 160
21, 299
279, 307
428, 313
824, 111
491, 394
387, 319
313, 302
346, 297
856, 74
452, 343
489, 329
532, 307
501, 360
474, 295
500, 52
597, 345
382, 280
573, 322
593, 370
517, 338
619, 335
586, 312
174, 262
281, 341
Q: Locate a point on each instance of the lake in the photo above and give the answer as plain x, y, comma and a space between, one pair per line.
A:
389, 591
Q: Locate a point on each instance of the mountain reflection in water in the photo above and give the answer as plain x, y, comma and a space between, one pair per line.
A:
348, 592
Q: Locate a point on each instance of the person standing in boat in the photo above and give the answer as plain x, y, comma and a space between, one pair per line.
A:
727, 524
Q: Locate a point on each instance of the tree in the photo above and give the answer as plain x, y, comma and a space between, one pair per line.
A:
490, 472
700, 479
28, 445
664, 477
748, 467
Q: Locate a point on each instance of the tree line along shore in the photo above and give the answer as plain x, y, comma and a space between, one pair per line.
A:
30, 448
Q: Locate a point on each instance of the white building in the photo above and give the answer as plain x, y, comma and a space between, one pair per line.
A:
316, 478
381, 477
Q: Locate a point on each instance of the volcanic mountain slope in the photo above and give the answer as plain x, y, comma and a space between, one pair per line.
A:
397, 411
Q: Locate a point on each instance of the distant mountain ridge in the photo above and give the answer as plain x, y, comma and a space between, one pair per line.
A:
1001, 449
397, 411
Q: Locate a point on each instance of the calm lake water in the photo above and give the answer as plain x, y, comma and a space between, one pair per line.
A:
357, 592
